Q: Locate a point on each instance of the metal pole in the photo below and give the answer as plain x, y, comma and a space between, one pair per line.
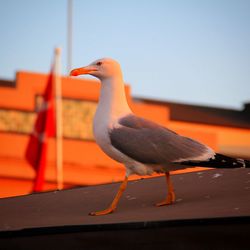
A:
69, 34
58, 91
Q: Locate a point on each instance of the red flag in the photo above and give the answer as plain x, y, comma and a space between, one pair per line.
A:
36, 152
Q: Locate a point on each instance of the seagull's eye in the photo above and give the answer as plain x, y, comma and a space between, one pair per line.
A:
99, 63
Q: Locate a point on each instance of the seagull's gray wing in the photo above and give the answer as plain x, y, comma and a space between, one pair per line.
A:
150, 143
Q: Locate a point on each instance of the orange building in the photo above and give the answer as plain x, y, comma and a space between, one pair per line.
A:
226, 131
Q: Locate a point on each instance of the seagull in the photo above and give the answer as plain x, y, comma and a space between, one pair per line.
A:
142, 146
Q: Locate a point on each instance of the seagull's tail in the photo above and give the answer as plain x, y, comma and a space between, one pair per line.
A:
220, 161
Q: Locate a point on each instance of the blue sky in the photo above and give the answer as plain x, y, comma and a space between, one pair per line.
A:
187, 51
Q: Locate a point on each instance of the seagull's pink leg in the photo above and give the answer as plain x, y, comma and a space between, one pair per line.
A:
113, 205
170, 195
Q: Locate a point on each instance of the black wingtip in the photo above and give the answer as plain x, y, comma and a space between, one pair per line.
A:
220, 161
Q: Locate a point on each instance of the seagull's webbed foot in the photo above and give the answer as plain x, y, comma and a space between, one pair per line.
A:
169, 200
103, 212
170, 196
113, 206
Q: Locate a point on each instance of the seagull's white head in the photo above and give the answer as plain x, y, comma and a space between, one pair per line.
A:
102, 69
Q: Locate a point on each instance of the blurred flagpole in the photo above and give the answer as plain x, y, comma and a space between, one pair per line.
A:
58, 94
69, 34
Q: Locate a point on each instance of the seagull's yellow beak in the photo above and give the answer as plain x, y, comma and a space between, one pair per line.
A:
82, 71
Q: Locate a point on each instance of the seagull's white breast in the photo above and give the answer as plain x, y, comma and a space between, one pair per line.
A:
112, 105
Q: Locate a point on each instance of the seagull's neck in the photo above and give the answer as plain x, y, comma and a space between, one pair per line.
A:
112, 102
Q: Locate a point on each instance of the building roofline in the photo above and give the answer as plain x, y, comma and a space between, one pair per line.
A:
205, 114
